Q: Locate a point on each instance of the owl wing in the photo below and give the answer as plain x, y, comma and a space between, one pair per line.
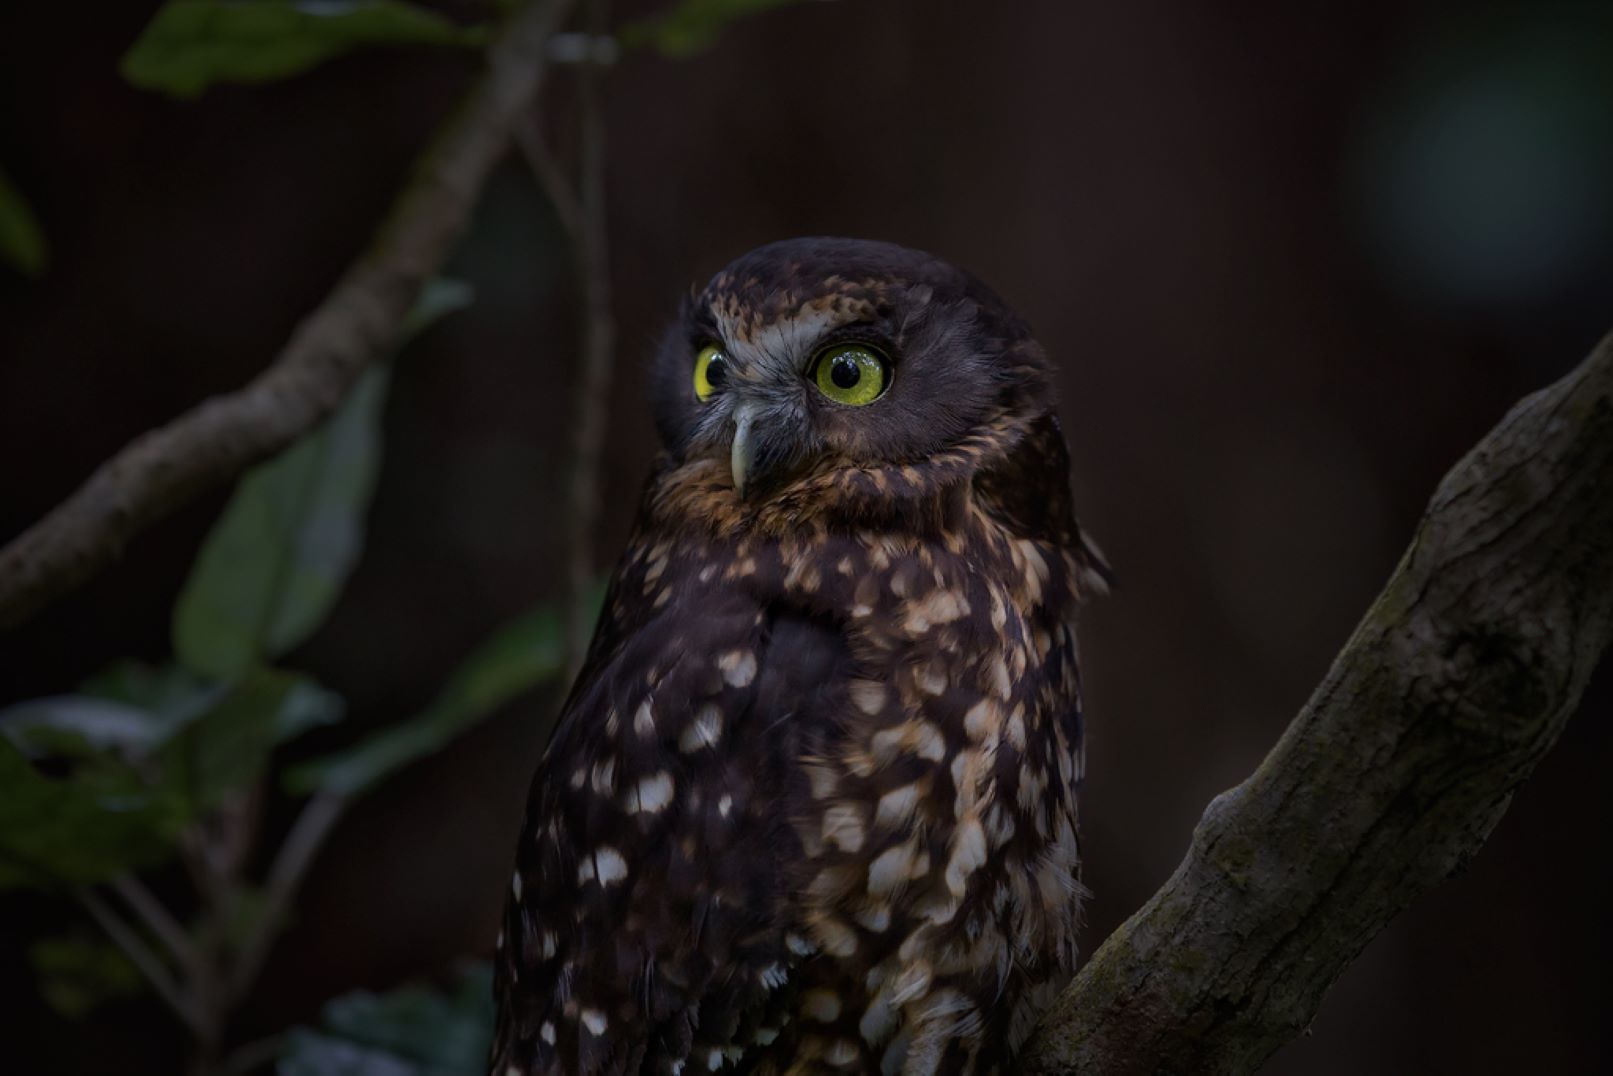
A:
645, 914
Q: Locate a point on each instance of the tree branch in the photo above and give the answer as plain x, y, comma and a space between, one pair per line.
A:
140, 955
1455, 684
546, 169
162, 470
157, 919
599, 345
307, 836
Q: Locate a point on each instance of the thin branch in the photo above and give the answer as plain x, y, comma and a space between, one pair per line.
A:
126, 938
551, 177
307, 836
254, 1056
166, 468
598, 349
156, 918
1457, 681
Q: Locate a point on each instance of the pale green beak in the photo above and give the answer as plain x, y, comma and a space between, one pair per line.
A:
743, 453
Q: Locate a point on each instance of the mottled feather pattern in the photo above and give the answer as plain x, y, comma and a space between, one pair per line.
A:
811, 805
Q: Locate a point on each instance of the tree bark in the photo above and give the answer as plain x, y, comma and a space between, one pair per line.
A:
166, 468
1455, 684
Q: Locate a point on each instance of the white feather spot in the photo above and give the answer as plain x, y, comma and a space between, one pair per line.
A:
843, 827
821, 1005
704, 731
651, 795
611, 866
868, 696
896, 807
738, 667
968, 853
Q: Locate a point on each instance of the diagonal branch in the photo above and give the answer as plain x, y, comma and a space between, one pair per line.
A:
140, 955
157, 919
1455, 684
291, 863
599, 346
164, 469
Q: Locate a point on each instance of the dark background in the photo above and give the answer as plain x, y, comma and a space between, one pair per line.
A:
1293, 263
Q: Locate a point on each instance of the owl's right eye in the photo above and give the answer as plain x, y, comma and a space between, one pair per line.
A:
710, 371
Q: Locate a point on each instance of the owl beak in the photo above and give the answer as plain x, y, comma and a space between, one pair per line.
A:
742, 456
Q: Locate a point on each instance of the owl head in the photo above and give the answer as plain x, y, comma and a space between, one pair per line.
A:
819, 360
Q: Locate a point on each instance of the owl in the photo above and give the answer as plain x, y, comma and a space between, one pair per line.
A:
811, 803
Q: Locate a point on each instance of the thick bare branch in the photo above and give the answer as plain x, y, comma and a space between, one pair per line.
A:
1460, 677
162, 470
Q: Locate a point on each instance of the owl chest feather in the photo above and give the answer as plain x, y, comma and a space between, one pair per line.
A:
937, 818
814, 807
925, 764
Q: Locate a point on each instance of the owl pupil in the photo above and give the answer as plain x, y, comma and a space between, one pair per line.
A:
845, 372
716, 371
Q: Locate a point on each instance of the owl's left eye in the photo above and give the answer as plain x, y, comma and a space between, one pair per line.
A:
851, 374
710, 371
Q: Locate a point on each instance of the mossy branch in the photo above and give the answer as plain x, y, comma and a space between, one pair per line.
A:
1455, 684
164, 469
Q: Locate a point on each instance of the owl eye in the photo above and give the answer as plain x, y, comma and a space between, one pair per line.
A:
710, 371
851, 374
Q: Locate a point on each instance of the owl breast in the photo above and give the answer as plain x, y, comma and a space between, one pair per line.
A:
933, 903
810, 808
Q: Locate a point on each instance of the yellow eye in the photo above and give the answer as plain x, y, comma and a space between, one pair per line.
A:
710, 371
851, 374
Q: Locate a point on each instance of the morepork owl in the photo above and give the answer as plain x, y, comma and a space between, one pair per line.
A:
811, 804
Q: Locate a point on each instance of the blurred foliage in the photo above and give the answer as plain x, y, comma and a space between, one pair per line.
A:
192, 44
411, 1031
273, 565
98, 820
691, 26
528, 651
145, 764
78, 972
138, 762
22, 243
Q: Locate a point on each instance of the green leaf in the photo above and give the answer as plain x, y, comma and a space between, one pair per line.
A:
77, 973
311, 1053
94, 784
169, 692
192, 44
411, 1031
691, 26
520, 656
440, 297
220, 754
275, 562
306, 706
273, 565
80, 726
95, 824
22, 243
